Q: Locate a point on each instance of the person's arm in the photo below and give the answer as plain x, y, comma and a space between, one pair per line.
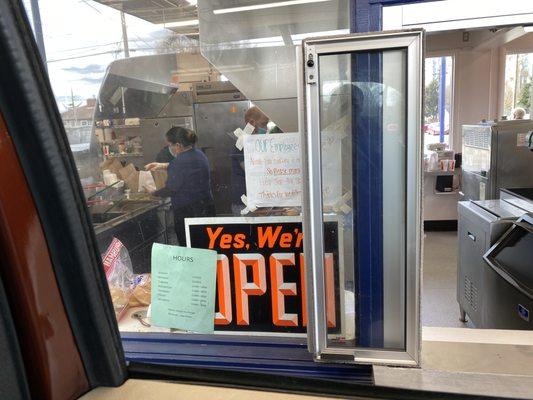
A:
175, 178
155, 166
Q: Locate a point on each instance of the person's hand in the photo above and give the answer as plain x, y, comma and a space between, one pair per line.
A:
152, 166
155, 166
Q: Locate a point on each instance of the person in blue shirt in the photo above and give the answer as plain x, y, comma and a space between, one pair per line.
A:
188, 183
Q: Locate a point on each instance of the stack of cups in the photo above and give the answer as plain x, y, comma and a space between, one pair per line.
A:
447, 165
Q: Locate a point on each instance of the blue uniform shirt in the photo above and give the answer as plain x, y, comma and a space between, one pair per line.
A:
189, 178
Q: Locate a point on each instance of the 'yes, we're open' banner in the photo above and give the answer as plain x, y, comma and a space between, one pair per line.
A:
261, 272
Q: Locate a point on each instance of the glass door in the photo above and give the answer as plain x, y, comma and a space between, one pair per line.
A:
362, 150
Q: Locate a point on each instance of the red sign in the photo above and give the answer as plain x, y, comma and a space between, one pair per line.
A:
111, 255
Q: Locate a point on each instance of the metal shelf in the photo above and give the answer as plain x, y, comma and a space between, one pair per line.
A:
125, 155
456, 192
118, 126
437, 173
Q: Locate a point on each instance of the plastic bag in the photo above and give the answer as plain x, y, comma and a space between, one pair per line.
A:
142, 291
146, 182
119, 274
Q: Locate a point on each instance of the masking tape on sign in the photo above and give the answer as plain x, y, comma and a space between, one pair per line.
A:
248, 208
240, 134
340, 204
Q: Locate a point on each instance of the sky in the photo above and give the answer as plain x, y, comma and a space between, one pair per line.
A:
82, 38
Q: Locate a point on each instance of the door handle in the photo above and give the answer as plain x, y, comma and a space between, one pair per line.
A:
472, 237
525, 225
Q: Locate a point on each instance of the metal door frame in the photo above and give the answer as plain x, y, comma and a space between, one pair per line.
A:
412, 41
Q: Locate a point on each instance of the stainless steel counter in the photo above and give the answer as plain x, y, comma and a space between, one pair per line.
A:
137, 223
108, 216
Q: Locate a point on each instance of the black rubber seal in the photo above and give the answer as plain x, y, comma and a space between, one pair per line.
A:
33, 120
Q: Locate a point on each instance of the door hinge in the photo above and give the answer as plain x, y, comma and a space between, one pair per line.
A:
310, 68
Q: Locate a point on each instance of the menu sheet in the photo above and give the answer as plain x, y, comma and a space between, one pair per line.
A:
183, 288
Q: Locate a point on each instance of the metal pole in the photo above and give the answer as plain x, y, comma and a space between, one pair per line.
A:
125, 35
126, 55
516, 82
38, 29
442, 98
530, 108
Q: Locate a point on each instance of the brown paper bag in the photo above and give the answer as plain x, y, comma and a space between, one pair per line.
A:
106, 163
123, 173
160, 178
132, 181
115, 166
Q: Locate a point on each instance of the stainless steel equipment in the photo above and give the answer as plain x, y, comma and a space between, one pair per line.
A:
215, 123
213, 92
255, 49
137, 223
481, 224
519, 197
509, 278
495, 156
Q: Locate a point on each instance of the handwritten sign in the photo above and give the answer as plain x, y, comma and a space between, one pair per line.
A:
273, 168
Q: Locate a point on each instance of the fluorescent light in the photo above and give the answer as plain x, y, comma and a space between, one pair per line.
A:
192, 2
266, 5
528, 28
297, 38
177, 24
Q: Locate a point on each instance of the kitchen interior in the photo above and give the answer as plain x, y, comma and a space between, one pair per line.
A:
478, 167
475, 213
134, 111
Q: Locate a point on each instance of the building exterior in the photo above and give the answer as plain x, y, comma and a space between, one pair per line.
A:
78, 123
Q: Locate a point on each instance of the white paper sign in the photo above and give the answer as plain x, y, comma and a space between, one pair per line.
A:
274, 170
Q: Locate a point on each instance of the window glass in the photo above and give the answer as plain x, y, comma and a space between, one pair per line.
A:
517, 90
438, 100
201, 150
343, 94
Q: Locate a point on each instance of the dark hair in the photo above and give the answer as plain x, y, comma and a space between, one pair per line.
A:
180, 135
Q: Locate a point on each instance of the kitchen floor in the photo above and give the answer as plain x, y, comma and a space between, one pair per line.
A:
439, 281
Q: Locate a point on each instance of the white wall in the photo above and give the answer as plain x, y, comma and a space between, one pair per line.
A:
478, 92
476, 77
